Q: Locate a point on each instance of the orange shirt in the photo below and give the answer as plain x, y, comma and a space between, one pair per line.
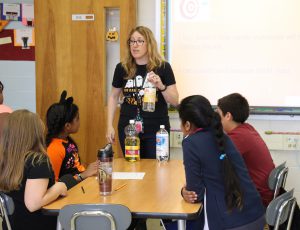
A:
64, 157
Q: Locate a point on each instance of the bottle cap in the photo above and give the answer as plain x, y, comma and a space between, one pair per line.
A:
106, 151
131, 121
162, 126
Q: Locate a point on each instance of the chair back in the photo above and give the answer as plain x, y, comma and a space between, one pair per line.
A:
7, 208
277, 178
281, 209
94, 216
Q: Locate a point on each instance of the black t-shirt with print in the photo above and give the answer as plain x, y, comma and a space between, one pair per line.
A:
132, 86
22, 218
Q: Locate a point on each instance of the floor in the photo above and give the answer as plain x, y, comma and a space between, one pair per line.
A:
153, 224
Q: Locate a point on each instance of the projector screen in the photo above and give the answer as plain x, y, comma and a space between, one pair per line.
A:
252, 47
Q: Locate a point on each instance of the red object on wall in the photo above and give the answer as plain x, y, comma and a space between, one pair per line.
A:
10, 52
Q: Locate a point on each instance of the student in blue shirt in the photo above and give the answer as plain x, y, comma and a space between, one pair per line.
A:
216, 171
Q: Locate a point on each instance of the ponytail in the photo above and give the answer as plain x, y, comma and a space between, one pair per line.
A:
233, 193
198, 111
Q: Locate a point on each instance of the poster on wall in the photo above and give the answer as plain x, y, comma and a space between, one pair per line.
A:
24, 38
27, 14
10, 52
10, 11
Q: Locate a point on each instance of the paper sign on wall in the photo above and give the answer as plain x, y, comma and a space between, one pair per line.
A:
24, 38
27, 14
11, 11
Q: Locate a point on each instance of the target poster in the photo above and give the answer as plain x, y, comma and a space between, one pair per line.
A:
191, 10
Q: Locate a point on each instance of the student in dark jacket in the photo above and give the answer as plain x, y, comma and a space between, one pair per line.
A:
215, 170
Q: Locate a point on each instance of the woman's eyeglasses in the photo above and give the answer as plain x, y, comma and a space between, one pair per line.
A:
138, 42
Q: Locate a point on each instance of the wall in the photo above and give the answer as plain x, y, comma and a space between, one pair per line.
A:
18, 77
19, 81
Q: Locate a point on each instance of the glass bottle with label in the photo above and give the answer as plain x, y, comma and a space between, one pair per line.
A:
132, 143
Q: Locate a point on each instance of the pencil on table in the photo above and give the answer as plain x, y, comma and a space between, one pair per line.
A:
118, 188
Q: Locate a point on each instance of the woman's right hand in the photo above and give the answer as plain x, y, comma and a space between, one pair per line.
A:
110, 135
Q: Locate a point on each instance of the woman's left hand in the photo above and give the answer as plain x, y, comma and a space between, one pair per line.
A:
155, 80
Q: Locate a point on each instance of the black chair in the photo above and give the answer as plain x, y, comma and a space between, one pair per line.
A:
94, 216
281, 209
277, 178
7, 208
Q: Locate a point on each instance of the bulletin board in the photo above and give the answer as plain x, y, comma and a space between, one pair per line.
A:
14, 53
17, 44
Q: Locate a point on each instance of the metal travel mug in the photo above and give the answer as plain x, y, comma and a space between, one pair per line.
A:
105, 156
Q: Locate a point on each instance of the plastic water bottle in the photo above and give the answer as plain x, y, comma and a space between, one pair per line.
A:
132, 143
149, 97
162, 144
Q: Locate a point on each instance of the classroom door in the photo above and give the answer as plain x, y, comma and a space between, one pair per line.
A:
71, 54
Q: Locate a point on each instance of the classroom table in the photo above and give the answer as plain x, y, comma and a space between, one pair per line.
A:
157, 195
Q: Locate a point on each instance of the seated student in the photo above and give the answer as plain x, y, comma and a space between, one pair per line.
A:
25, 171
234, 111
63, 120
4, 109
215, 170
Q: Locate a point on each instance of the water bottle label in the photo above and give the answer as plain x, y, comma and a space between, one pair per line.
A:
105, 171
161, 140
150, 95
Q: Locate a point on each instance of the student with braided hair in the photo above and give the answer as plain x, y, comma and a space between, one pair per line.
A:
62, 121
216, 171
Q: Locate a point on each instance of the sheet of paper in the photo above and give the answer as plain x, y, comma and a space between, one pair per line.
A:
19, 34
11, 11
5, 40
27, 14
128, 175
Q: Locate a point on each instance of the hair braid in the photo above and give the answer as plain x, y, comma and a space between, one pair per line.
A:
198, 111
233, 192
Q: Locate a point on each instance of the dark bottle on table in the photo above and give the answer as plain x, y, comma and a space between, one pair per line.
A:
105, 157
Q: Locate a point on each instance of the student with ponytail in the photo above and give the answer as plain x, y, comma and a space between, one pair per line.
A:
216, 172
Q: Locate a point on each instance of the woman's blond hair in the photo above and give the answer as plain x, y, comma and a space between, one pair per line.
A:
155, 59
22, 137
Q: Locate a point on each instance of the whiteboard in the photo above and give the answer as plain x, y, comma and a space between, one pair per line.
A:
252, 47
